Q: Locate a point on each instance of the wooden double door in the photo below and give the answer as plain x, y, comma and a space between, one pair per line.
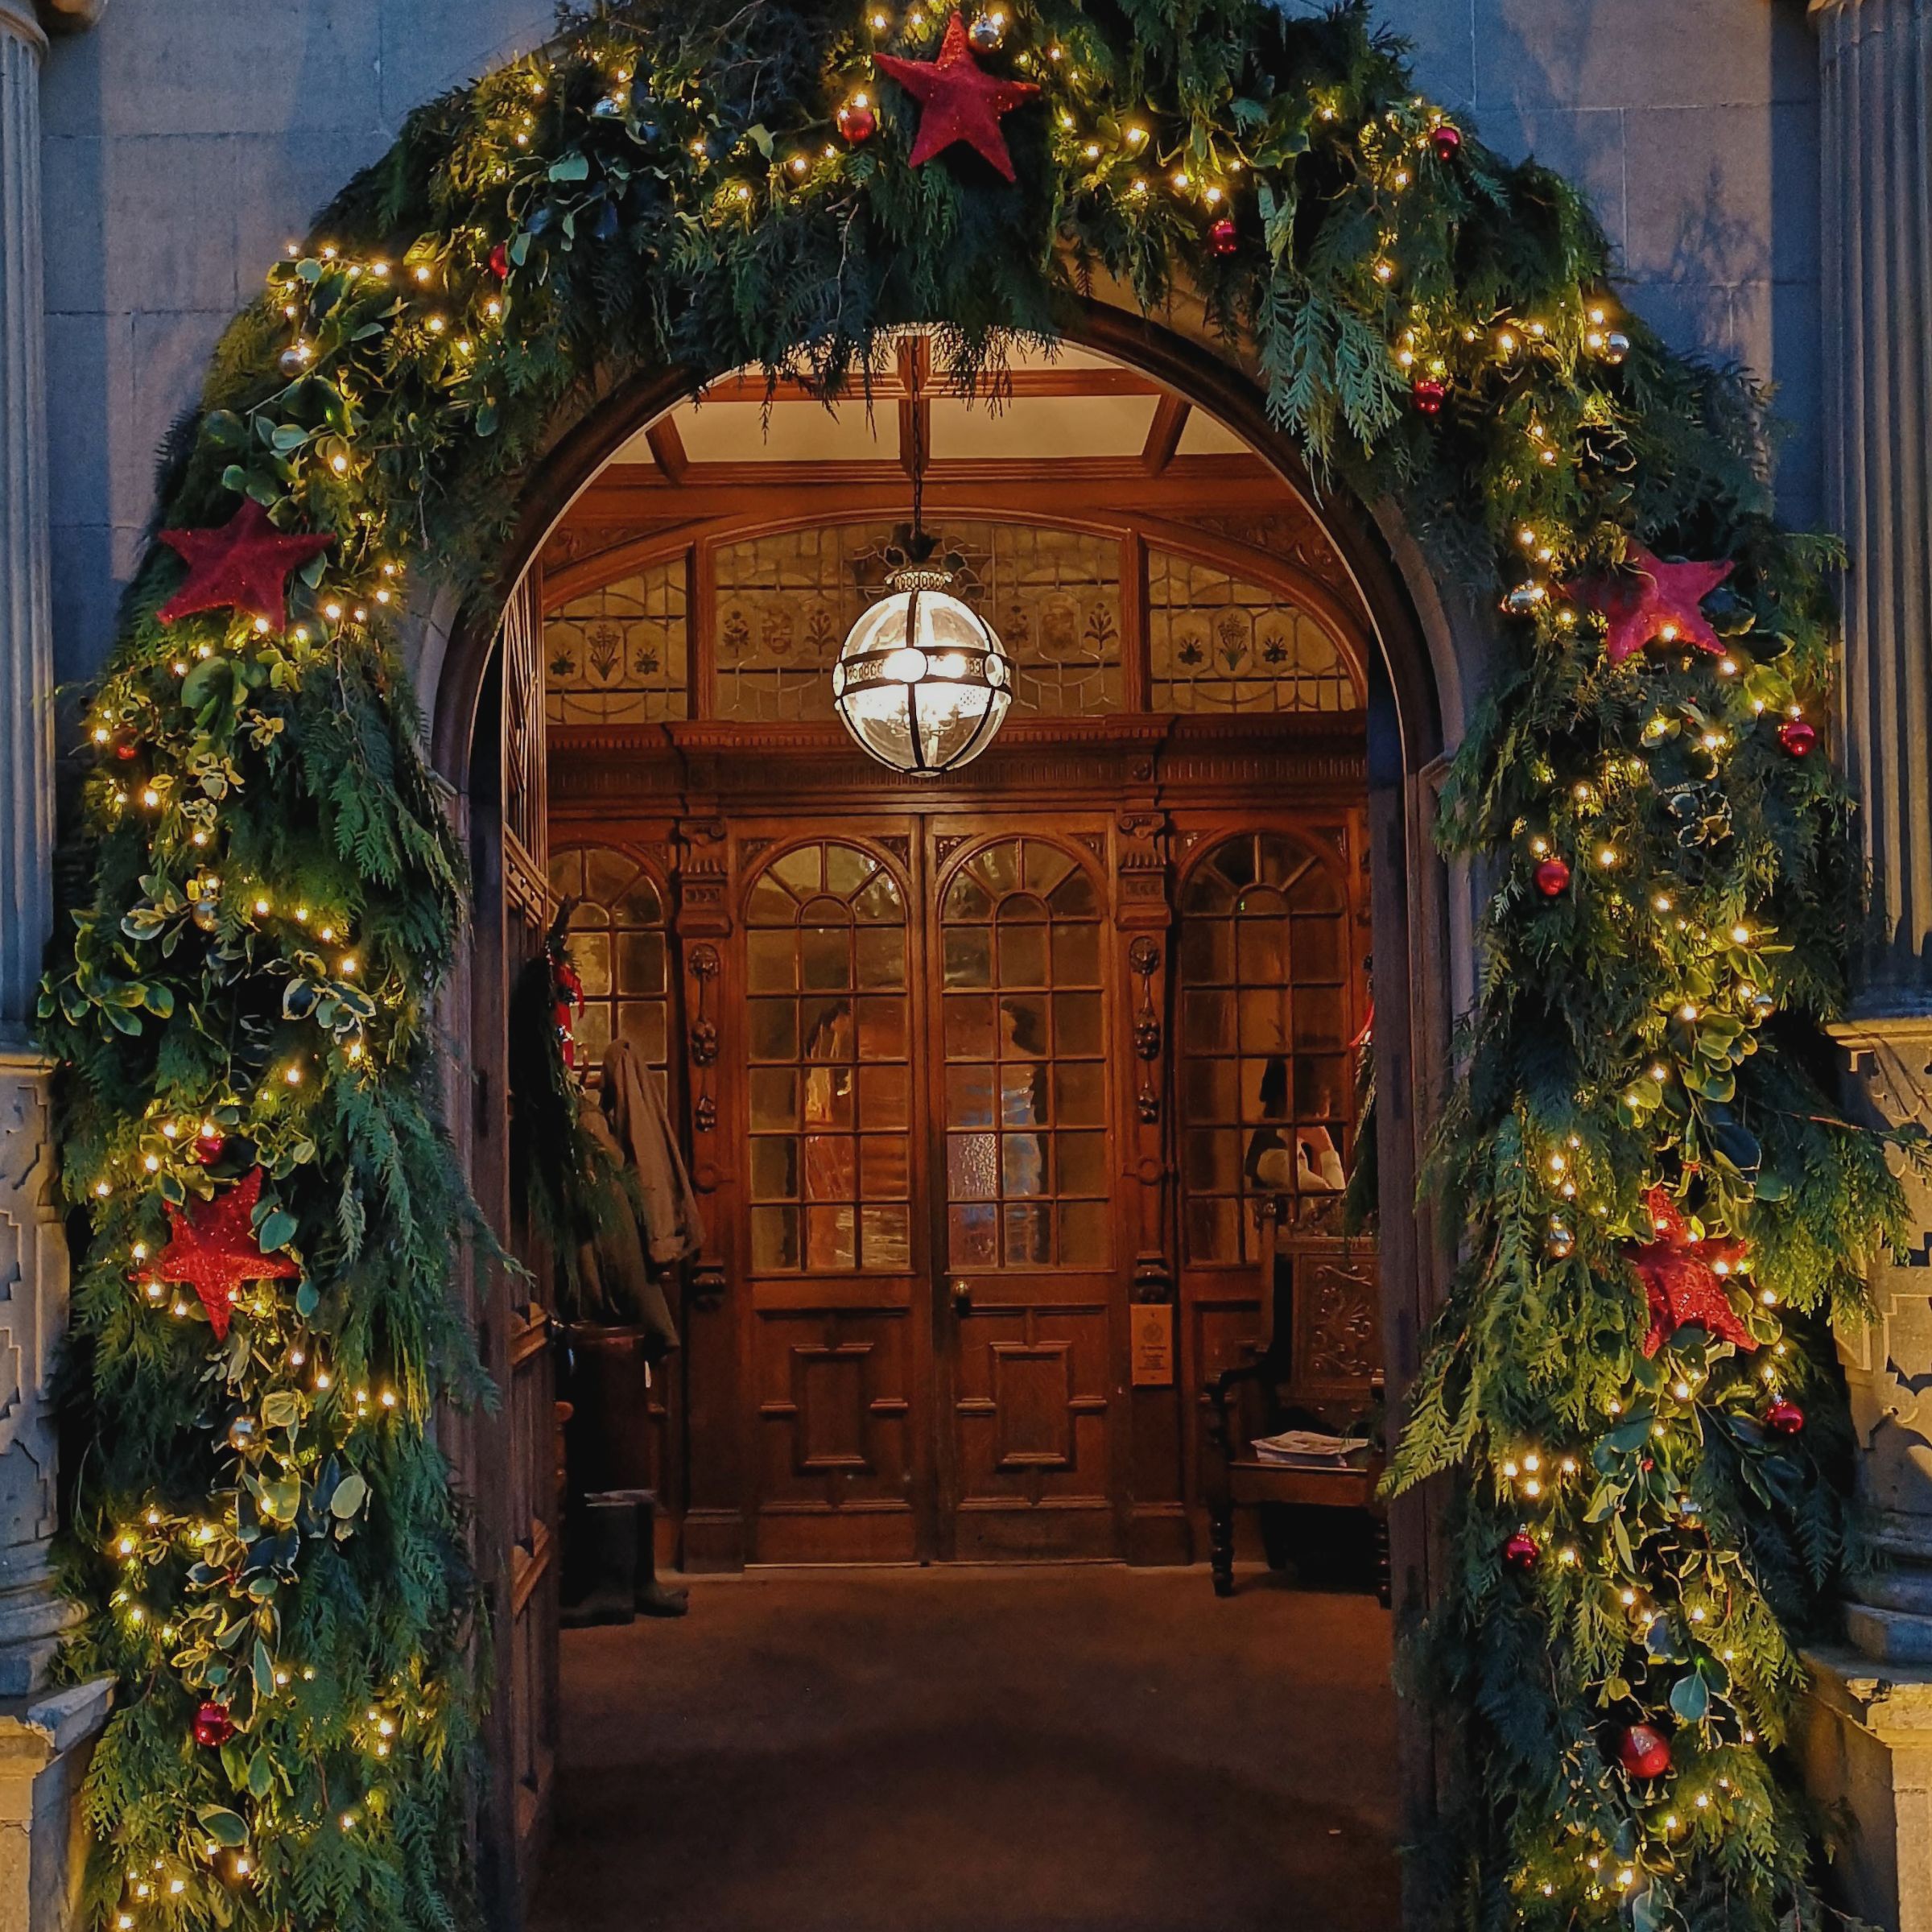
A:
935, 1232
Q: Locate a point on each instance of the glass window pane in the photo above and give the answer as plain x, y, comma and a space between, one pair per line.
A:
972, 1237
1079, 1094
641, 963
966, 899
881, 1029
972, 1170
1316, 943
831, 1167
1211, 1090
882, 957
883, 1175
774, 1240
1076, 1020
846, 870
775, 1097
771, 961
1212, 1159
969, 1026
968, 955
774, 1167
1319, 1020
1258, 951
774, 1029
1022, 1164
830, 1238
801, 870
999, 868
1263, 1026
829, 1097
825, 957
1027, 1237
1084, 1228
645, 1024
826, 1028
590, 951
884, 1239
884, 1097
1076, 954
1213, 1229
878, 904
1022, 952
1207, 1022
1079, 1164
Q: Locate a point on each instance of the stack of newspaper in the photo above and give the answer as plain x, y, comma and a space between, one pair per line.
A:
1308, 1449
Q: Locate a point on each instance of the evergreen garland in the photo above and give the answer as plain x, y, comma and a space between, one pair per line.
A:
264, 1524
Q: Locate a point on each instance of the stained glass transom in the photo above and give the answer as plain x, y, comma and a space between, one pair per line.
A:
1266, 1099
1219, 645
618, 939
617, 655
1024, 1031
784, 604
830, 1076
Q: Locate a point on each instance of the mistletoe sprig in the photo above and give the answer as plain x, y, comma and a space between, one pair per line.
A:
1651, 1509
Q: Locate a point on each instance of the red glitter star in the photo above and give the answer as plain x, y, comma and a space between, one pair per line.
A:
214, 1250
959, 99
1681, 1282
1650, 602
242, 566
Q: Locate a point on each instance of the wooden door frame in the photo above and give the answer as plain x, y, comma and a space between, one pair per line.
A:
1410, 886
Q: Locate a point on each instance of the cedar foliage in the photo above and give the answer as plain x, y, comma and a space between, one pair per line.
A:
669, 192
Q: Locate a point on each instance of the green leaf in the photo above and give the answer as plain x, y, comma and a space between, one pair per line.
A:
277, 1230
264, 1670
307, 1299
572, 166
1690, 1698
260, 1775
225, 1828
351, 1492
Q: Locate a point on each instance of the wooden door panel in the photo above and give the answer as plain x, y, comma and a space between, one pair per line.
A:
1032, 1402
837, 1461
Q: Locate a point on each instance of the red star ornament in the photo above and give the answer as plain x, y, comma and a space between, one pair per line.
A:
959, 100
242, 566
1651, 601
1681, 1282
213, 1249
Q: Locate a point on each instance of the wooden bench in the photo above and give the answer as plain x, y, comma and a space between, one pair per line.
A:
1316, 1364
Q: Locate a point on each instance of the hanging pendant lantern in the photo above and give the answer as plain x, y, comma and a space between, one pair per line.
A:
922, 683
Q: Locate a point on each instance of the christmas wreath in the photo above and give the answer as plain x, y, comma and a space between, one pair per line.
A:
1660, 1214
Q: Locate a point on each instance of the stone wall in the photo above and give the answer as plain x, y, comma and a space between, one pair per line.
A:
184, 142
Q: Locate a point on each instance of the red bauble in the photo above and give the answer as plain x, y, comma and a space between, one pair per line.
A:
1429, 395
857, 121
208, 1148
1552, 877
958, 101
1785, 1416
212, 1725
126, 753
1447, 141
1223, 237
1521, 1550
1644, 1751
499, 262
1796, 737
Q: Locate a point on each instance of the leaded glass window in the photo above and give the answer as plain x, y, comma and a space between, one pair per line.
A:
618, 941
1025, 1031
1219, 645
1266, 1100
830, 1076
617, 655
785, 603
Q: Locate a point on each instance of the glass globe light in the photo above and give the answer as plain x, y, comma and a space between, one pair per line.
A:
922, 682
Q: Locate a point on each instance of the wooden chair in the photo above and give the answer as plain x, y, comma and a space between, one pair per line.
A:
1320, 1369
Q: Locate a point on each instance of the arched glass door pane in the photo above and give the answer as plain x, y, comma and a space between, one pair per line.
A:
1267, 1103
830, 1079
1024, 1030
618, 940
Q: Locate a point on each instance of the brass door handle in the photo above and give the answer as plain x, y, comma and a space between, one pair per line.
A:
961, 1297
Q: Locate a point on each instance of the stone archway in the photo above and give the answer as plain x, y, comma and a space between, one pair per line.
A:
1413, 891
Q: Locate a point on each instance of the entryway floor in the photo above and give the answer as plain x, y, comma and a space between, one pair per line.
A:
1083, 1748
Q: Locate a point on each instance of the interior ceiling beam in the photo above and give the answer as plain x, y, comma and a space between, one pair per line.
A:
1164, 434
668, 449
1215, 482
889, 386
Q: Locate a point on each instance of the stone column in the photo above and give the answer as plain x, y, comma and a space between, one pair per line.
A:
44, 1735
1871, 1720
